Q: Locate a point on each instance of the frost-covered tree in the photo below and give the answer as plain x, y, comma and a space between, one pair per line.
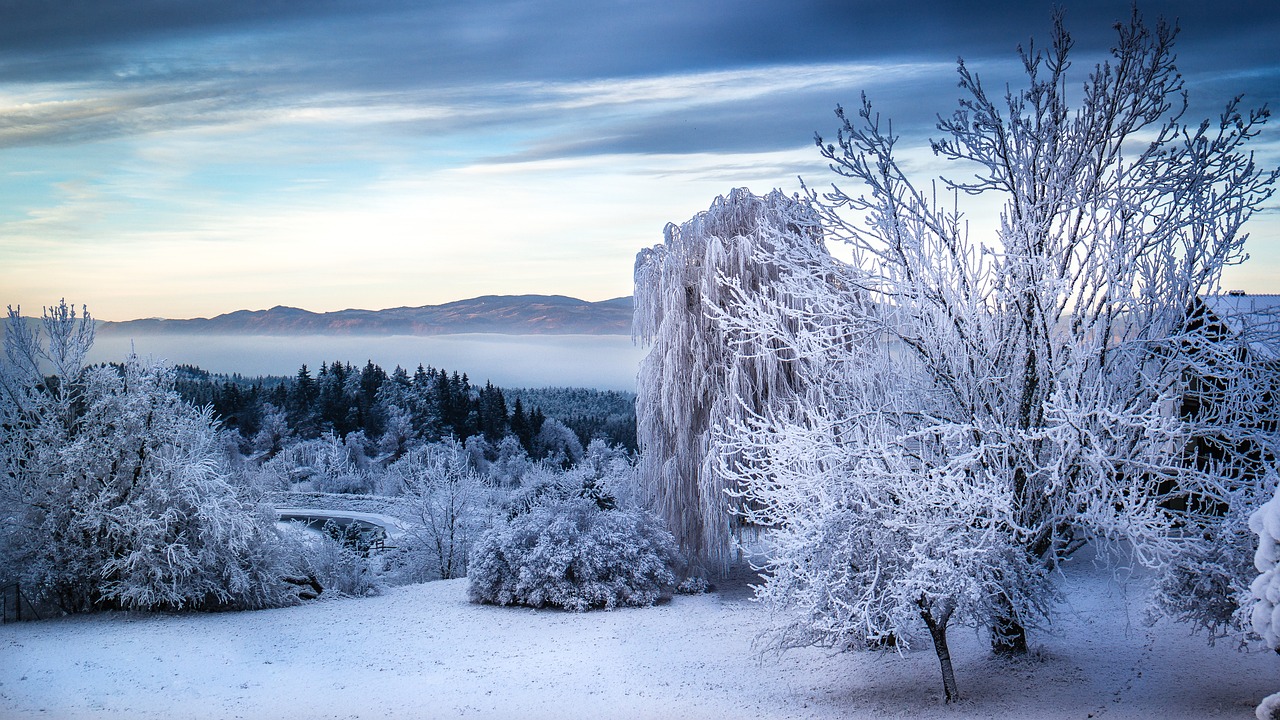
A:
272, 433
1042, 368
612, 471
510, 463
444, 504
557, 443
398, 434
114, 489
696, 374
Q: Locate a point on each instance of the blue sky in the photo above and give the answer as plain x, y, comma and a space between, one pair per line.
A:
185, 159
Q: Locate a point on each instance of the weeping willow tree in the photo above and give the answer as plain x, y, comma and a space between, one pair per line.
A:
702, 370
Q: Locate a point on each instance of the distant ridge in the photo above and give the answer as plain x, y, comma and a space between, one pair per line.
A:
500, 314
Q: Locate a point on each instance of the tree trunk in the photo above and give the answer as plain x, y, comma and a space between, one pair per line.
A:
938, 631
1008, 636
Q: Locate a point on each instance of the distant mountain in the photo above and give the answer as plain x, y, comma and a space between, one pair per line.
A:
502, 314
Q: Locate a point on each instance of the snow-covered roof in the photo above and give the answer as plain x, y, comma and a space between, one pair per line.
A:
1255, 319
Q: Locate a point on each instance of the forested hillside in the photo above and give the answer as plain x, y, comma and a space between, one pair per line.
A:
388, 408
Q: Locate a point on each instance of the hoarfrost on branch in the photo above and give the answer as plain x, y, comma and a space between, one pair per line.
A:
983, 408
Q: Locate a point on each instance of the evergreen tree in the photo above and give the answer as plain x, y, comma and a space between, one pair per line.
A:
491, 411
371, 379
301, 404
520, 427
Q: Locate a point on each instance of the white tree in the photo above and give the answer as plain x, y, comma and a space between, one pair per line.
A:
510, 465
558, 442
444, 503
612, 471
398, 433
696, 374
273, 432
116, 489
1044, 370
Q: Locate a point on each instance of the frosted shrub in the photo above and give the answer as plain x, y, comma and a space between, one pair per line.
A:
1265, 521
1205, 584
354, 483
613, 473
693, 585
337, 568
114, 493
542, 485
573, 555
328, 463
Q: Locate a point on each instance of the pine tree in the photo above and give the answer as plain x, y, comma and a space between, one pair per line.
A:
520, 427
371, 379
302, 404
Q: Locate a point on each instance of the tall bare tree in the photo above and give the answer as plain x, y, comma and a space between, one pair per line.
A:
1022, 390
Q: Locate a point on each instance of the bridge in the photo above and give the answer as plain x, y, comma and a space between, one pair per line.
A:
380, 529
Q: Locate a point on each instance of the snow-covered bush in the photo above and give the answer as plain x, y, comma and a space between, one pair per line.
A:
325, 464
573, 555
542, 485
335, 566
1265, 589
1207, 585
114, 490
693, 585
510, 463
611, 472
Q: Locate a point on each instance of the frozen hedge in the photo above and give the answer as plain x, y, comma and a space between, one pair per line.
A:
1265, 521
1265, 589
574, 555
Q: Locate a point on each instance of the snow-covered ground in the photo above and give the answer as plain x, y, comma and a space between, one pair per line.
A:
423, 651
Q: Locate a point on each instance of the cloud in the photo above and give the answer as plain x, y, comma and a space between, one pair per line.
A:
83, 71
738, 110
452, 42
281, 152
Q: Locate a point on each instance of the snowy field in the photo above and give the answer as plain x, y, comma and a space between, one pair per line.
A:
423, 651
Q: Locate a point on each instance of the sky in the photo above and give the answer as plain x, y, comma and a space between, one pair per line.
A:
185, 159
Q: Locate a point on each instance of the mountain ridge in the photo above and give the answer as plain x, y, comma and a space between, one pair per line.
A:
496, 314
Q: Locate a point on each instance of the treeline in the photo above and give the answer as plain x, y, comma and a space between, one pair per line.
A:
607, 414
394, 410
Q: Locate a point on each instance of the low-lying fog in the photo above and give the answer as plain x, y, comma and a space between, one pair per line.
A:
606, 362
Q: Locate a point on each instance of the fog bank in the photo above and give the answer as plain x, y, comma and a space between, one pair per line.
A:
605, 362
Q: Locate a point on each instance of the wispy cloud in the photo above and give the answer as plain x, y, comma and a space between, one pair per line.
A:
240, 153
72, 113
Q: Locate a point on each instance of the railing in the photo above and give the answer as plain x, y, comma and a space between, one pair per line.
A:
11, 599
